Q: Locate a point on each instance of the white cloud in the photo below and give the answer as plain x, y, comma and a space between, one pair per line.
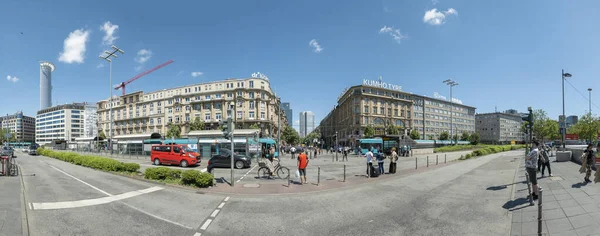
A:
13, 79
109, 33
197, 73
435, 17
395, 33
100, 65
74, 47
434, 2
138, 68
143, 56
317, 48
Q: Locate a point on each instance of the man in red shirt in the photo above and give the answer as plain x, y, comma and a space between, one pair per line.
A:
302, 163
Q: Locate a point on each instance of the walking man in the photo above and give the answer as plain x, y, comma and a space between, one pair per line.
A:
345, 155
545, 157
302, 163
588, 161
530, 166
369, 156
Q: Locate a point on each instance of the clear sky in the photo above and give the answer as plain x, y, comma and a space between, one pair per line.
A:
507, 54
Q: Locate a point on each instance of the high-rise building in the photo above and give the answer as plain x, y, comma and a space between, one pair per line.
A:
285, 106
46, 69
307, 123
499, 128
141, 112
90, 121
62, 122
23, 127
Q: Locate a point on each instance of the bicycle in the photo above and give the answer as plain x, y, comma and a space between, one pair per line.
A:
13, 169
281, 171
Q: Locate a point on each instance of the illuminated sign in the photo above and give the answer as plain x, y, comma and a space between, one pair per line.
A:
380, 84
259, 75
454, 100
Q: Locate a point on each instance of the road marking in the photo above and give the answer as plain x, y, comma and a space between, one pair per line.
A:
67, 174
157, 217
221, 205
226, 199
214, 214
246, 174
92, 202
30, 206
206, 224
204, 170
197, 234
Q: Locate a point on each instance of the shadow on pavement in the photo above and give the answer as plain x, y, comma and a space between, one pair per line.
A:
222, 180
579, 185
500, 187
510, 205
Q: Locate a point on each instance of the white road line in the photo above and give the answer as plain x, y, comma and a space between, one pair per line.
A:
30, 206
204, 170
206, 224
197, 234
214, 214
221, 205
246, 173
92, 202
67, 174
238, 180
226, 199
157, 217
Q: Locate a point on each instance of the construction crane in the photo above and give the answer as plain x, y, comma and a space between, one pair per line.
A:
123, 84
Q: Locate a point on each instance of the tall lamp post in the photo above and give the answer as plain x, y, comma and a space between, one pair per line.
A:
590, 100
109, 57
451, 83
563, 124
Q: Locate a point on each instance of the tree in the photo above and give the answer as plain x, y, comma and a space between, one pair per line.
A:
13, 138
587, 127
392, 130
174, 131
551, 130
254, 126
290, 136
2, 133
455, 138
414, 134
430, 137
101, 135
444, 135
369, 132
474, 139
197, 124
465, 136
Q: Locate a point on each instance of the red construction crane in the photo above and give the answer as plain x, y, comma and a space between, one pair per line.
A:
122, 85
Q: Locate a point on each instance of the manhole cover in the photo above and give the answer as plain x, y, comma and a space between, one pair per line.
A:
251, 185
556, 178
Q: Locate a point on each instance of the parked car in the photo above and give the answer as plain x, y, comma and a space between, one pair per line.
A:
223, 160
32, 151
179, 154
7, 151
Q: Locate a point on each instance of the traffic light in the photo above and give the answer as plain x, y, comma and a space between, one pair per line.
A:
225, 126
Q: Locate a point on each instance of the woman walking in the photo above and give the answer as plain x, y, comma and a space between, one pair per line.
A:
587, 161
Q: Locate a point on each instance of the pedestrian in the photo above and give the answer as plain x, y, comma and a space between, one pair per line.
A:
302, 163
293, 151
345, 155
369, 156
530, 166
315, 156
393, 159
587, 161
380, 160
545, 157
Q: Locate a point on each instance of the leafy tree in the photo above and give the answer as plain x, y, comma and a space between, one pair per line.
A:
174, 131
13, 138
254, 126
444, 135
2, 133
587, 127
455, 138
415, 135
392, 130
290, 136
197, 124
551, 130
474, 139
369, 132
430, 137
101, 135
465, 136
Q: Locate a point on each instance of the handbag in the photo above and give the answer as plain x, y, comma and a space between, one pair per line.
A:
297, 174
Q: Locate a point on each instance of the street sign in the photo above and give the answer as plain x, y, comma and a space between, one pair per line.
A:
254, 147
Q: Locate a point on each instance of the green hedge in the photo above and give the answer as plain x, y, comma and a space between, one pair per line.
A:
455, 148
493, 149
95, 162
188, 177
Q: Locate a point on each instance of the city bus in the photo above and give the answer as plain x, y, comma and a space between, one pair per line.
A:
374, 143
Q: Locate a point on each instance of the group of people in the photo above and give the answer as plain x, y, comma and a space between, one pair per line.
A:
539, 157
374, 155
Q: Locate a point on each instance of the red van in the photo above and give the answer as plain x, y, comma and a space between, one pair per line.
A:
178, 154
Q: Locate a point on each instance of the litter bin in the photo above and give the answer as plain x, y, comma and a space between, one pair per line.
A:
5, 165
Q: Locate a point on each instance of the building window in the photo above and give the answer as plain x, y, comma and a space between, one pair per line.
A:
366, 109
177, 109
229, 95
170, 120
396, 112
207, 116
382, 110
218, 116
251, 115
197, 107
207, 97
187, 117
206, 106
240, 94
262, 115
251, 84
251, 104
239, 115
218, 95
176, 119
374, 110
188, 108
251, 94
170, 110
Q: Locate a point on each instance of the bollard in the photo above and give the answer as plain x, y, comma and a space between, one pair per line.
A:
540, 216
344, 172
427, 161
318, 176
445, 158
416, 166
436, 160
288, 179
529, 190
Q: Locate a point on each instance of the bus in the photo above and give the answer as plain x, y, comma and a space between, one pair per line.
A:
374, 143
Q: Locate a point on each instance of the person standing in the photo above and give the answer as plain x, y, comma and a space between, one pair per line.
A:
393, 159
315, 156
293, 151
380, 160
345, 157
545, 157
369, 156
588, 161
302, 164
530, 166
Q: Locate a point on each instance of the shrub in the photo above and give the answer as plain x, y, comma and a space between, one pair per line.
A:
468, 156
174, 174
131, 167
158, 173
95, 162
194, 177
205, 180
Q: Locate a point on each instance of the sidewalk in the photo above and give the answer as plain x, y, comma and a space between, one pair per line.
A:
569, 206
10, 205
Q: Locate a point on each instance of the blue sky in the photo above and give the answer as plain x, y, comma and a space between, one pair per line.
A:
507, 54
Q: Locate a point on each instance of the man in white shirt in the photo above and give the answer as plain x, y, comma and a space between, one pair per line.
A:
369, 156
530, 165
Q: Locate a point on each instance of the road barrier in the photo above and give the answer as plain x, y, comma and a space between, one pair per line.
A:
540, 216
445, 158
344, 172
318, 175
436, 159
416, 164
427, 161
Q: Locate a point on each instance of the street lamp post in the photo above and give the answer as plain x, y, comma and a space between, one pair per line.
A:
451, 83
563, 124
590, 100
232, 125
108, 57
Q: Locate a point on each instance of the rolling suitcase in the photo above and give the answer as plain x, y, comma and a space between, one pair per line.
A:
374, 172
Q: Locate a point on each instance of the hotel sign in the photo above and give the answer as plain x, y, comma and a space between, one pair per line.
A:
454, 100
260, 75
380, 84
